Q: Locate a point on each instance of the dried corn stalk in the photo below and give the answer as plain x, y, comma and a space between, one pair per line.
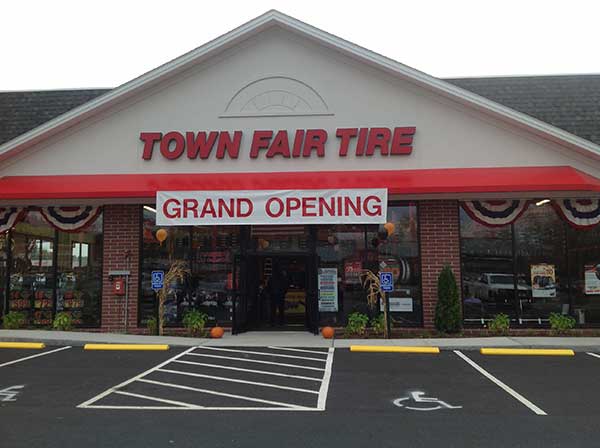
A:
370, 282
177, 271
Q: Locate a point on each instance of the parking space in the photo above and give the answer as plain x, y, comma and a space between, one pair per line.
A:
9, 356
211, 378
64, 377
561, 386
374, 381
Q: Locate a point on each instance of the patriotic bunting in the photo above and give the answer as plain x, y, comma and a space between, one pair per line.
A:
70, 219
495, 213
9, 216
579, 213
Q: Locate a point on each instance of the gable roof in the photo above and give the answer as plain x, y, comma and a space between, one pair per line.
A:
23, 111
274, 18
569, 102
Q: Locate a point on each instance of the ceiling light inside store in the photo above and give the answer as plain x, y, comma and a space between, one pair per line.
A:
150, 209
542, 202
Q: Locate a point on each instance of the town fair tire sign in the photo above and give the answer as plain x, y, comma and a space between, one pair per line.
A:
348, 206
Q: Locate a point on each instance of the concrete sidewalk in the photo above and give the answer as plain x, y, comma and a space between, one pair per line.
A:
296, 339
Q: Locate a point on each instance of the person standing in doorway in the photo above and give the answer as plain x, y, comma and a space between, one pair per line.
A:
278, 286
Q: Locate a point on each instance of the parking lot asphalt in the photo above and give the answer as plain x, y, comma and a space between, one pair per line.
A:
219, 397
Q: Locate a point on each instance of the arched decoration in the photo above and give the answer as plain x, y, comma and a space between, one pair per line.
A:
497, 212
9, 216
579, 213
276, 95
70, 219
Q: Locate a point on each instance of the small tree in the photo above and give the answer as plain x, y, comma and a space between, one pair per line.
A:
447, 310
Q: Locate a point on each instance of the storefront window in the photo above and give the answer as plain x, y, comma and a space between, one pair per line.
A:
210, 254
350, 249
541, 261
53, 271
285, 238
487, 270
536, 266
3, 270
32, 271
398, 252
584, 273
342, 247
79, 274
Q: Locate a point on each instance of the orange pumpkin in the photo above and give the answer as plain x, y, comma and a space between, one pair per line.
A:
327, 332
217, 332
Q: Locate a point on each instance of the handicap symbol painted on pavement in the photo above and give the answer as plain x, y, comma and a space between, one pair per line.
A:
386, 281
10, 393
419, 402
158, 278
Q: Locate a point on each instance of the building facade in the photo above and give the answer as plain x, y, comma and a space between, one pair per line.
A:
279, 151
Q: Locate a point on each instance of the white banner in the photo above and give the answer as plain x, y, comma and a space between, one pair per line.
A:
352, 206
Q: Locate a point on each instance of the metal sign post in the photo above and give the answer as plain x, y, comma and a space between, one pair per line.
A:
386, 283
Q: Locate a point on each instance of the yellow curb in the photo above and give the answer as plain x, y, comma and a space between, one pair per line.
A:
527, 351
393, 349
126, 347
22, 345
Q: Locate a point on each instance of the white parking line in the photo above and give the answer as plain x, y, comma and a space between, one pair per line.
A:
295, 366
269, 405
34, 356
88, 403
297, 350
595, 355
325, 384
500, 384
222, 394
160, 400
233, 380
262, 372
262, 353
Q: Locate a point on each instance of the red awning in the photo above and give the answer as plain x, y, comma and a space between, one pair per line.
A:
413, 182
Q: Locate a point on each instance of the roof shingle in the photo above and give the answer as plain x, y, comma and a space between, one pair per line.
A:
570, 102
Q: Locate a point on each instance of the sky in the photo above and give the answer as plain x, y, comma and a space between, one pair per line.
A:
80, 44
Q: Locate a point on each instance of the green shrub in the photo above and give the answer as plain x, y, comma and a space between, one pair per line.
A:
195, 321
63, 322
499, 324
561, 322
13, 320
378, 324
357, 324
447, 310
152, 325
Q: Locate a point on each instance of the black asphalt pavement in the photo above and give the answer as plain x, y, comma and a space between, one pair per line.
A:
372, 399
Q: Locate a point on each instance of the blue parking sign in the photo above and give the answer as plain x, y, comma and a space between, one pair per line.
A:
158, 278
386, 280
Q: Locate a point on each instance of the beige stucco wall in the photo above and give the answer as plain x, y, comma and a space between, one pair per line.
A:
448, 135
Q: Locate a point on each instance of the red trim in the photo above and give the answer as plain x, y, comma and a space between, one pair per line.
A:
431, 181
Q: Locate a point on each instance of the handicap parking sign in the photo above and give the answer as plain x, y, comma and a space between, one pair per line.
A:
158, 278
386, 280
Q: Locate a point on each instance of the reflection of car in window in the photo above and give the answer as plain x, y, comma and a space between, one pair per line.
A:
497, 287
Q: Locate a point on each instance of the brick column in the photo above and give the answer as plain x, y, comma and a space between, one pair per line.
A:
439, 230
121, 236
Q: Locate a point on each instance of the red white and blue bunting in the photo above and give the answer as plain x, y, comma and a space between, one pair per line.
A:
579, 213
497, 212
70, 219
9, 216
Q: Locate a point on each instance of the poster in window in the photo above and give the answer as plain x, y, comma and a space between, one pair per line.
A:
328, 291
543, 280
352, 271
592, 279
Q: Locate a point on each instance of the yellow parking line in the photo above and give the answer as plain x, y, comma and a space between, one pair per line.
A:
22, 345
393, 349
126, 347
527, 351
